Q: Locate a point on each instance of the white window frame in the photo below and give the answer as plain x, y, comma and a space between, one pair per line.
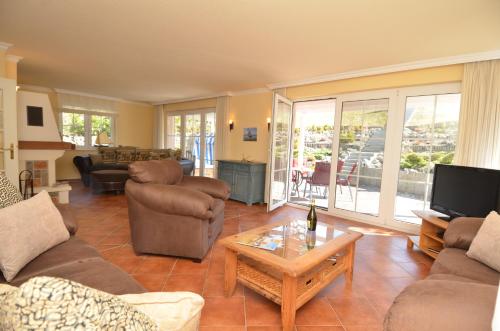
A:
395, 125
182, 113
87, 122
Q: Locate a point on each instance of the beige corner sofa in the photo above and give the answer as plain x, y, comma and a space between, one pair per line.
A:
459, 294
77, 261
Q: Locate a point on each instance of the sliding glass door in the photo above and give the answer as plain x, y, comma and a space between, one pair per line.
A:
194, 133
361, 155
430, 129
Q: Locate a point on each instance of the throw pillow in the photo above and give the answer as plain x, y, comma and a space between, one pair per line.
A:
9, 194
174, 311
485, 247
47, 303
27, 229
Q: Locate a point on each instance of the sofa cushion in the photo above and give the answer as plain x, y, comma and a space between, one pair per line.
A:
172, 311
142, 155
485, 247
108, 154
49, 303
454, 261
68, 217
214, 187
27, 229
126, 155
461, 231
68, 252
168, 172
96, 273
442, 305
9, 194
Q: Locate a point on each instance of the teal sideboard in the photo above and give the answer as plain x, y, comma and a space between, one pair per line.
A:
246, 179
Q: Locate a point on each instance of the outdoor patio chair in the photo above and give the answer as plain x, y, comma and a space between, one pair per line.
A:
347, 180
319, 178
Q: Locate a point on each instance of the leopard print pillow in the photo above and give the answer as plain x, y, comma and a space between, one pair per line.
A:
9, 194
48, 303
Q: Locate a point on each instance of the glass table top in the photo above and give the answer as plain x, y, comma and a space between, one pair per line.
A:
290, 240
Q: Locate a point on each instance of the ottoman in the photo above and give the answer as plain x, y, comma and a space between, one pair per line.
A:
109, 180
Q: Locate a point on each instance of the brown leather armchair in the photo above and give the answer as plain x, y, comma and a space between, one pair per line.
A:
173, 214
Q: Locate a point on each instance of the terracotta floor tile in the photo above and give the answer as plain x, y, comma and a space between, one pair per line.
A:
264, 328
214, 286
180, 282
186, 266
319, 328
128, 264
261, 311
364, 327
220, 311
152, 282
355, 311
417, 270
222, 328
156, 264
317, 312
383, 267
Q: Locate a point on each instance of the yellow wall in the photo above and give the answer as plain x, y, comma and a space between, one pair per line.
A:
134, 127
3, 63
11, 70
445, 74
249, 111
252, 110
191, 105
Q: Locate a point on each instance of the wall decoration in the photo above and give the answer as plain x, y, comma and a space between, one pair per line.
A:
250, 134
35, 115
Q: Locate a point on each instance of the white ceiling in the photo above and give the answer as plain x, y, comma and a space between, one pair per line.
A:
152, 50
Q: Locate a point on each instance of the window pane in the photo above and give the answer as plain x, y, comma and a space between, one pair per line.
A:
101, 124
174, 131
73, 128
209, 144
192, 139
361, 155
429, 137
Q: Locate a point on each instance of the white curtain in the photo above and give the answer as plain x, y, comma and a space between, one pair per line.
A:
85, 103
479, 129
159, 129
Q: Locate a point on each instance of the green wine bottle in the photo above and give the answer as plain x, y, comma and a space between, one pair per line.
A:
312, 219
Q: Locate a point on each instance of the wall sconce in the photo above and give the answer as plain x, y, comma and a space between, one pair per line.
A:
268, 124
231, 125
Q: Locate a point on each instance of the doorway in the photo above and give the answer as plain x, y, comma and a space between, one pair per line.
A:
193, 132
312, 142
383, 145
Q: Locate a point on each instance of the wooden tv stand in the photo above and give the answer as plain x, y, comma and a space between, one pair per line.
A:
430, 240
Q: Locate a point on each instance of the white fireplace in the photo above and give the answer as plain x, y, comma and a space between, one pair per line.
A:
40, 143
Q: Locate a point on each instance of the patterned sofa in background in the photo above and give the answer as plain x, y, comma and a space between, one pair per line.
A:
109, 158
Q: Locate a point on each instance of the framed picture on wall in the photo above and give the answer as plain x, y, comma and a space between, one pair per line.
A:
249, 134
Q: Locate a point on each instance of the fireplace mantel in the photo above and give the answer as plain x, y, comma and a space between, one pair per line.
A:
48, 145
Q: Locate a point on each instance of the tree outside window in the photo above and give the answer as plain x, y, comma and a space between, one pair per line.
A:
82, 129
100, 124
73, 128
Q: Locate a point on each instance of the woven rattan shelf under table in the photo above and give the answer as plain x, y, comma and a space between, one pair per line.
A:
292, 274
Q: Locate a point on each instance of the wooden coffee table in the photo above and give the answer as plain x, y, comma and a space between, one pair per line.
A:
292, 274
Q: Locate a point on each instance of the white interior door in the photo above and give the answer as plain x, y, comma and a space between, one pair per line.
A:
9, 162
280, 152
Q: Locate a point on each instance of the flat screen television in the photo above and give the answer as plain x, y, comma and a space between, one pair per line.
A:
465, 191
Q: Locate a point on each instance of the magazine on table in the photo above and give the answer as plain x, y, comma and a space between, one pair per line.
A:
268, 242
